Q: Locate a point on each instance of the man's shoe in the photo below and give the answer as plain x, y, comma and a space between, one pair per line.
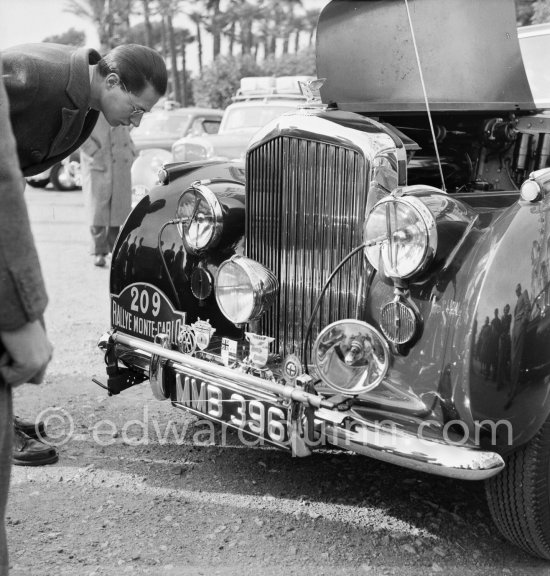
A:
30, 452
33, 429
100, 261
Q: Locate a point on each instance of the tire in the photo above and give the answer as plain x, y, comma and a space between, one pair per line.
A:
519, 497
38, 183
62, 179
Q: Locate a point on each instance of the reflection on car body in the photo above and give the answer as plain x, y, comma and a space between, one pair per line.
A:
344, 272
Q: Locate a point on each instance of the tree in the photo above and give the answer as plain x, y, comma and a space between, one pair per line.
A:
168, 9
524, 11
541, 12
71, 37
311, 19
110, 17
220, 81
196, 18
184, 38
213, 22
301, 63
147, 24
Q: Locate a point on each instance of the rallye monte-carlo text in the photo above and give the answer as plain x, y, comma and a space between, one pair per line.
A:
375, 275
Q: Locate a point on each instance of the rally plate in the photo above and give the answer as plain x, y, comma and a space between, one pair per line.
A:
144, 311
264, 419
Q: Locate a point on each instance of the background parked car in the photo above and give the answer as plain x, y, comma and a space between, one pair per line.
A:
64, 176
259, 100
157, 132
161, 128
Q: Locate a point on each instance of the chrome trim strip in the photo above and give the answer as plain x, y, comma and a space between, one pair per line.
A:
395, 446
188, 362
410, 451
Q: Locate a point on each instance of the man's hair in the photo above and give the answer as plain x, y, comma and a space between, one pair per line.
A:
136, 66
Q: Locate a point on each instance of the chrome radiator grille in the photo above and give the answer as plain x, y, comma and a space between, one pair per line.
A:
305, 210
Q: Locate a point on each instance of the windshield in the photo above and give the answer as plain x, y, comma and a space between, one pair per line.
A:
535, 50
162, 124
252, 116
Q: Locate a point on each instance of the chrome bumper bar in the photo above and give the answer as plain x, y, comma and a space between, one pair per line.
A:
393, 445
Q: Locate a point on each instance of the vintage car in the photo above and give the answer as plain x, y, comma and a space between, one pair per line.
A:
259, 100
375, 276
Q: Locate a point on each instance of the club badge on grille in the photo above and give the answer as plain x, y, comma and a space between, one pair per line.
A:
203, 333
292, 368
259, 348
187, 343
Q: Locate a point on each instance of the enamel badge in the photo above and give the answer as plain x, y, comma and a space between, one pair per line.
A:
203, 333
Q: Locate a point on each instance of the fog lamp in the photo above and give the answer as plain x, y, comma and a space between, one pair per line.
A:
201, 218
244, 289
351, 356
403, 236
398, 321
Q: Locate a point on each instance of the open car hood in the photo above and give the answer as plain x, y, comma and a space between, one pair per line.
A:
469, 53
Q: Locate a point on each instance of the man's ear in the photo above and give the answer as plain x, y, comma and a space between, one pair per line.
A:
112, 80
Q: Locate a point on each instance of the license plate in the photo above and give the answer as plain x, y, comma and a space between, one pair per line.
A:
144, 311
261, 418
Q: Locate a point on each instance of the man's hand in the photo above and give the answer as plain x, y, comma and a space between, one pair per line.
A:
27, 353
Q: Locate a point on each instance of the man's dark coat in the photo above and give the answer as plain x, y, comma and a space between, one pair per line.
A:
48, 88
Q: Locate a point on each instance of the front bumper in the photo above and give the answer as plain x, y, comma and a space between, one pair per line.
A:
343, 429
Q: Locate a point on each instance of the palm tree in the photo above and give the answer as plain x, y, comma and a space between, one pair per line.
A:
212, 21
168, 9
110, 17
312, 17
95, 12
147, 22
298, 24
185, 38
196, 18
288, 23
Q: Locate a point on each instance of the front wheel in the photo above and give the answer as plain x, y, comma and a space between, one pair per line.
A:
519, 497
63, 177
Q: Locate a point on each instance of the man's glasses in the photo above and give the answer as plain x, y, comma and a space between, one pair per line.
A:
137, 112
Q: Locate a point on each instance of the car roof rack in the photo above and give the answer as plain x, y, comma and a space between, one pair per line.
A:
261, 87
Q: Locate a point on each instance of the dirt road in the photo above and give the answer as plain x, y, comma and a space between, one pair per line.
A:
142, 488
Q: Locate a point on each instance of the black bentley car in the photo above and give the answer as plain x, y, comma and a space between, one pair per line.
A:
375, 275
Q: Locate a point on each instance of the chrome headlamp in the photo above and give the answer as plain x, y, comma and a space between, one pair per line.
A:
201, 218
351, 356
401, 236
244, 289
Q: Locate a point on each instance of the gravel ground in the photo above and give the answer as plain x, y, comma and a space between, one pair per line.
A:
143, 488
